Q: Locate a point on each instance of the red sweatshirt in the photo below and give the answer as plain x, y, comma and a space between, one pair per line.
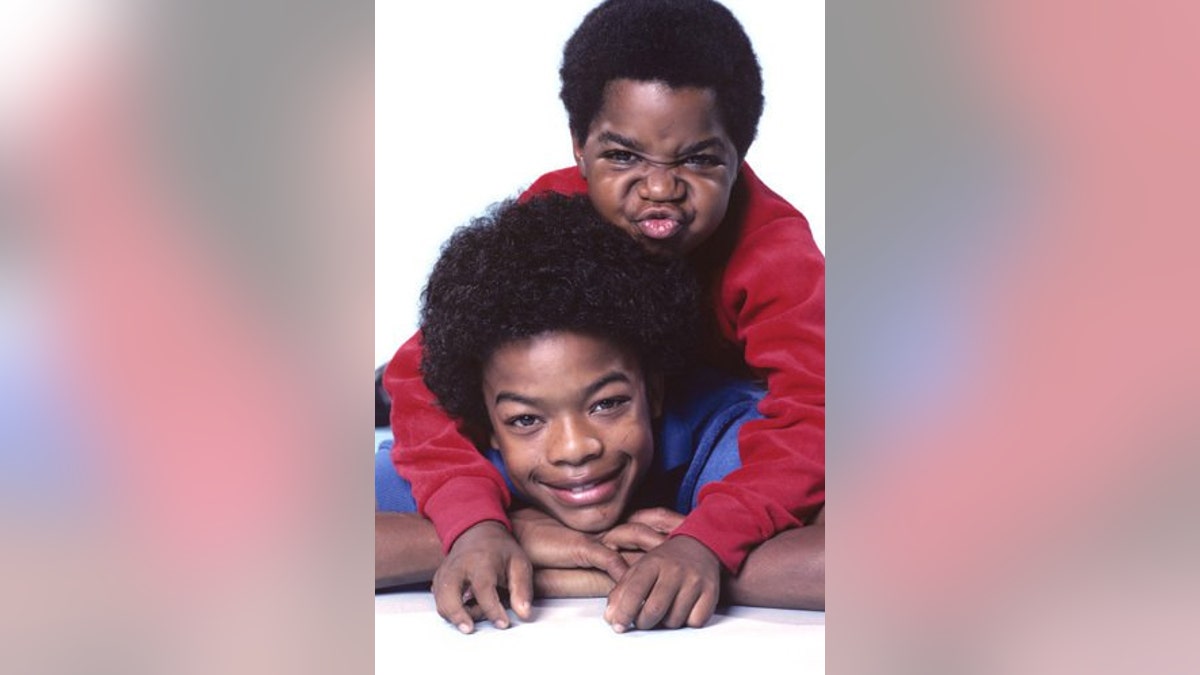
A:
766, 280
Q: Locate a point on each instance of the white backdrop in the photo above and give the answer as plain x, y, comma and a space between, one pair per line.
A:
443, 69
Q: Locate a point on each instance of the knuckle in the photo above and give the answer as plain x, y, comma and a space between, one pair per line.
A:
522, 566
654, 610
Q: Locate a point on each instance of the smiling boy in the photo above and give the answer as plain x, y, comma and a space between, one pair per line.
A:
538, 390
572, 355
663, 100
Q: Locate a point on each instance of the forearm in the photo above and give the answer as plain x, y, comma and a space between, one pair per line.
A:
407, 550
786, 571
454, 485
571, 583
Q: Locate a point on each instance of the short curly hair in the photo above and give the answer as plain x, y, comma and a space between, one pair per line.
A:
548, 264
683, 43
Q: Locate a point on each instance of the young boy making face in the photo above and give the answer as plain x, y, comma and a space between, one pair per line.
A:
663, 99
658, 163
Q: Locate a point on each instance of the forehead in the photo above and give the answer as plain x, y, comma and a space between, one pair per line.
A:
656, 108
556, 360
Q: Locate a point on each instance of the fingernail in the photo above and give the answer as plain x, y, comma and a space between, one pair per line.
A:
619, 627
464, 628
501, 625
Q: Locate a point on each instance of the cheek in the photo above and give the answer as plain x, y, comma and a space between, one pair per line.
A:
606, 197
640, 440
519, 462
713, 198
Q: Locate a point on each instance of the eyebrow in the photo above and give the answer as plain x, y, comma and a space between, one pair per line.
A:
613, 137
588, 392
703, 145
615, 376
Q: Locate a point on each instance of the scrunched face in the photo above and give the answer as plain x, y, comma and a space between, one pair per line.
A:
572, 417
659, 164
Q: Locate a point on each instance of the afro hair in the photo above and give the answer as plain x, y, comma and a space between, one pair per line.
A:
548, 264
683, 43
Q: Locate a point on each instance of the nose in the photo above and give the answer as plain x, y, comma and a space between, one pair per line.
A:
575, 443
661, 183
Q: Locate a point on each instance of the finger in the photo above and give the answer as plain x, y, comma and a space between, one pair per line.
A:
489, 602
475, 611
661, 519
681, 608
627, 597
603, 558
703, 610
658, 602
637, 536
631, 557
448, 597
520, 587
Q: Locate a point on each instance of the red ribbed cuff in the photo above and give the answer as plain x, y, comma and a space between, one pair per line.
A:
462, 503
730, 533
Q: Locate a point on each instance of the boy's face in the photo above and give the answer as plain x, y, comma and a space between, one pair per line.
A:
659, 164
572, 420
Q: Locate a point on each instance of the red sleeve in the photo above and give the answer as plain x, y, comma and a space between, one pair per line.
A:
772, 304
453, 484
567, 181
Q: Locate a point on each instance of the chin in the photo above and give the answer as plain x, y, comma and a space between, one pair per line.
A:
590, 525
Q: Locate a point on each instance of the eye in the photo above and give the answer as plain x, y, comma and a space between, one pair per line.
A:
620, 157
522, 421
703, 161
609, 404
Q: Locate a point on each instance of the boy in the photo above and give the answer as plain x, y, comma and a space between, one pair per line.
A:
552, 334
663, 99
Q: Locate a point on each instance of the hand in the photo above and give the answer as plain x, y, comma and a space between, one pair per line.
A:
658, 519
677, 583
552, 545
484, 558
552, 582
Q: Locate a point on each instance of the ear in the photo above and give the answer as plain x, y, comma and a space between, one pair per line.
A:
577, 151
656, 390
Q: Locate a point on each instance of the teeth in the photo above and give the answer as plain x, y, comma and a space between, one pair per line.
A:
581, 488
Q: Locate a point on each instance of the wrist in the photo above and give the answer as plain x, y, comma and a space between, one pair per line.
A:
483, 530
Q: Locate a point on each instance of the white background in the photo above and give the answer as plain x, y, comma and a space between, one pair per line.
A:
467, 114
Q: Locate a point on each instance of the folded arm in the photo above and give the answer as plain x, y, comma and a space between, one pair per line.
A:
787, 570
453, 484
407, 550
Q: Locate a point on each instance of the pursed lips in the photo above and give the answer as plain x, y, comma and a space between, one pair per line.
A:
660, 223
660, 214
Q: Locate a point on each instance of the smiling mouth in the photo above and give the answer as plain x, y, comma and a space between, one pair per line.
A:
590, 493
